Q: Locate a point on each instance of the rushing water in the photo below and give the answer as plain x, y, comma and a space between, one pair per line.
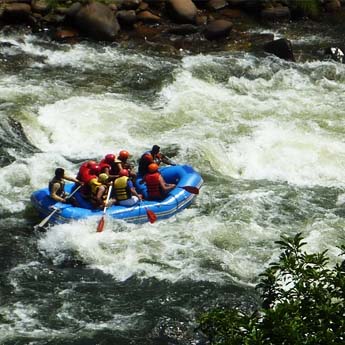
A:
266, 135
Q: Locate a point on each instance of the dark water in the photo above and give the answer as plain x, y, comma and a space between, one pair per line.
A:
266, 135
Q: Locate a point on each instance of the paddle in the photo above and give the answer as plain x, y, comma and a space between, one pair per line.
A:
100, 225
151, 216
190, 189
46, 219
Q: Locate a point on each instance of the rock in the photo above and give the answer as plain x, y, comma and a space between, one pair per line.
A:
332, 5
276, 13
16, 12
62, 34
97, 21
40, 7
218, 29
183, 11
127, 18
183, 29
335, 54
215, 5
281, 48
131, 4
148, 17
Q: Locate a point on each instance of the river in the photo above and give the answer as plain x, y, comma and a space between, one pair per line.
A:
266, 135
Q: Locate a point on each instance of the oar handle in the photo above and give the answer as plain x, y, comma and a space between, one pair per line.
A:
107, 199
75, 191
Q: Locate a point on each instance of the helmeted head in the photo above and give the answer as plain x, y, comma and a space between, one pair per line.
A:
59, 172
155, 149
152, 168
124, 172
109, 158
123, 155
103, 178
90, 163
95, 168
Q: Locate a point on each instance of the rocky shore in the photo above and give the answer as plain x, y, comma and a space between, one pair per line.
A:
170, 25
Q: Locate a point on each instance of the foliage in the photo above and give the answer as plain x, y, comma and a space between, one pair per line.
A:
309, 8
303, 304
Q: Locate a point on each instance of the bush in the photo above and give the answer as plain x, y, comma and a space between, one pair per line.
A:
303, 304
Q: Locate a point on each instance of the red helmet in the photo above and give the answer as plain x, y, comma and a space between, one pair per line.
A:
153, 167
95, 168
124, 172
123, 154
90, 163
109, 158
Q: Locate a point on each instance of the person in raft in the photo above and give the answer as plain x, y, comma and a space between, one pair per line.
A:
126, 164
153, 156
111, 166
99, 191
157, 188
57, 187
124, 190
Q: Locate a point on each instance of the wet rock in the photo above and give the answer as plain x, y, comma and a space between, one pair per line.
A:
16, 12
66, 35
182, 11
40, 7
184, 29
97, 21
335, 54
215, 5
276, 13
131, 4
148, 17
218, 29
281, 48
126, 18
332, 5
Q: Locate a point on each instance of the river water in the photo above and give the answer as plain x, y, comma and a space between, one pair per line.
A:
266, 135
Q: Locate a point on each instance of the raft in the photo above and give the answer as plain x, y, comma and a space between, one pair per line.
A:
179, 198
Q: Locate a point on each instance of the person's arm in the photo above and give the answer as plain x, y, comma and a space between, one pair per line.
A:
72, 179
99, 196
166, 160
166, 187
53, 195
133, 190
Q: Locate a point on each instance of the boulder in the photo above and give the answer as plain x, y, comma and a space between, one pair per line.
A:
281, 48
16, 11
127, 18
218, 29
97, 21
276, 13
183, 11
148, 17
215, 5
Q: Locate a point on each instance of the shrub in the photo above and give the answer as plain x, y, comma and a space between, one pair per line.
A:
303, 304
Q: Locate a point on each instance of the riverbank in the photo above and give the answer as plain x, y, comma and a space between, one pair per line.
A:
172, 26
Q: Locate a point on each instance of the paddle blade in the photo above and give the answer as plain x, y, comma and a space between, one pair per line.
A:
100, 225
191, 189
151, 216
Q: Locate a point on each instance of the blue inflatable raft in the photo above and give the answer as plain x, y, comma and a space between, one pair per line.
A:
184, 176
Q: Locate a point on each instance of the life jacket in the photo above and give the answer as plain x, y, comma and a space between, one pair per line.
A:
94, 186
113, 168
85, 174
153, 185
103, 165
145, 160
61, 190
122, 192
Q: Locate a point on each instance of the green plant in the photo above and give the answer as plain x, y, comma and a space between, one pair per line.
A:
309, 8
303, 304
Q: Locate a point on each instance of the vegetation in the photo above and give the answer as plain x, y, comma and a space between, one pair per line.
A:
303, 304
309, 8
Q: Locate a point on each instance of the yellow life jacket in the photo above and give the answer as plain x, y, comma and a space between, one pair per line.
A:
122, 191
